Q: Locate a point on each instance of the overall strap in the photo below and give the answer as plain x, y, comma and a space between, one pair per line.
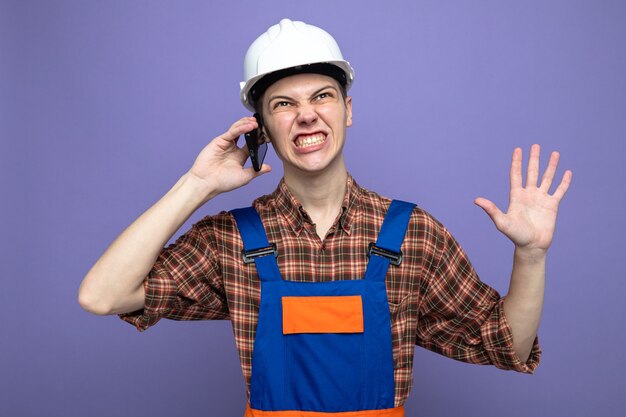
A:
387, 247
256, 247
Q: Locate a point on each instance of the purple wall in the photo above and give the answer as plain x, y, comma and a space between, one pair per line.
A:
105, 104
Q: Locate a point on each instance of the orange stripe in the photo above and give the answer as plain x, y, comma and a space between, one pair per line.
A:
342, 314
387, 412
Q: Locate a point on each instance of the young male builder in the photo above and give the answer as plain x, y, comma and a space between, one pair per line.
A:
325, 320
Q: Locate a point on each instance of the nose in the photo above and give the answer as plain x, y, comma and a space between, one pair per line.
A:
307, 115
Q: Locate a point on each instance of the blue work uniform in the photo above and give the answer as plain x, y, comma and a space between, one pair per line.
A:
323, 348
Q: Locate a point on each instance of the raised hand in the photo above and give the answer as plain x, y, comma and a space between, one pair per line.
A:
220, 164
531, 217
114, 284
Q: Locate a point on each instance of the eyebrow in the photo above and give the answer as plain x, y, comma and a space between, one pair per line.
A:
312, 95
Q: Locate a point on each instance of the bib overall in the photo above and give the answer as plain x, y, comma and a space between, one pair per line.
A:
323, 348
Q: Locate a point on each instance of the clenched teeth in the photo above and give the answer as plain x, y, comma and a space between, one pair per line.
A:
304, 141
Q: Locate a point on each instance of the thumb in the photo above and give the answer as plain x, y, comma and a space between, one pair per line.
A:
252, 174
265, 168
491, 209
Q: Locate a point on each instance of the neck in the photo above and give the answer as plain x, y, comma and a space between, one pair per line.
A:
321, 194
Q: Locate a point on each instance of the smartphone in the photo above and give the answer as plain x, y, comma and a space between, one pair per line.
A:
257, 147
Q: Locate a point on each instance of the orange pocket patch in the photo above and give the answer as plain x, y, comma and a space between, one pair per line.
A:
341, 314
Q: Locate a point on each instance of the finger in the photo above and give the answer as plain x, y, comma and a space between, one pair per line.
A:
242, 154
265, 168
252, 174
242, 122
532, 173
516, 169
491, 209
247, 123
245, 151
548, 176
563, 186
241, 126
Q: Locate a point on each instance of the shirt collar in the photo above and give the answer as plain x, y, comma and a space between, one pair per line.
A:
295, 215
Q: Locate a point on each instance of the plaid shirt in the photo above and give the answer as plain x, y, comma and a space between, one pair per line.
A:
436, 299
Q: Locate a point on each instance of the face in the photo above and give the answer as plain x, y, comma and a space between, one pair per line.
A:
306, 117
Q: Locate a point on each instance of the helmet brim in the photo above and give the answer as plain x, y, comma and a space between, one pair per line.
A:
254, 88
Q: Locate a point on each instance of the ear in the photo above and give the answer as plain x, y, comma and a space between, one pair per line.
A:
348, 111
264, 130
266, 135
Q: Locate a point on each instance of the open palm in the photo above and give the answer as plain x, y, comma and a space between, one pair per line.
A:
531, 217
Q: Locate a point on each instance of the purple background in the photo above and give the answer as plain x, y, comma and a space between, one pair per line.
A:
104, 105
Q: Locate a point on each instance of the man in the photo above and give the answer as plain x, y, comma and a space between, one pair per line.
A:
328, 286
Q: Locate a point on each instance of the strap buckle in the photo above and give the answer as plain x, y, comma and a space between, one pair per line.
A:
395, 258
250, 255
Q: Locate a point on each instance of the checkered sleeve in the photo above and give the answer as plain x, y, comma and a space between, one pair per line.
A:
185, 282
463, 318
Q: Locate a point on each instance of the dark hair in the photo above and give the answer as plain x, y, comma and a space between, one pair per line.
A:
330, 70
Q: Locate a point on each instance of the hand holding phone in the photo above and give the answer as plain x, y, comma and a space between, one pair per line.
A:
257, 147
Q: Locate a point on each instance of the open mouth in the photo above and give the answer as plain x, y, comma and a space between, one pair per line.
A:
305, 141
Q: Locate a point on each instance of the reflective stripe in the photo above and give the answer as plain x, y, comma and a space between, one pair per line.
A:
319, 314
388, 412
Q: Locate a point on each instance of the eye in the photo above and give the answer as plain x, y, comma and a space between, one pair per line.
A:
326, 96
281, 104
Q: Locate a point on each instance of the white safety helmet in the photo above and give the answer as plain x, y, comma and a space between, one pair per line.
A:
290, 48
